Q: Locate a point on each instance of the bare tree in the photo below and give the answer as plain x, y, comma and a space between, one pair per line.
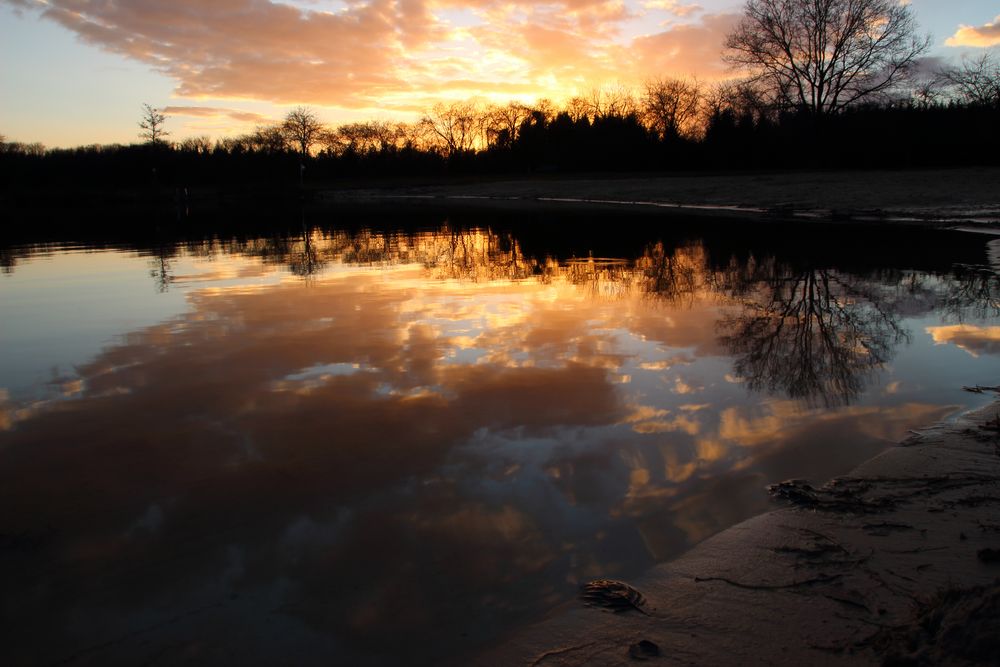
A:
504, 122
742, 99
615, 101
201, 145
670, 106
302, 129
826, 54
152, 125
34, 149
457, 127
975, 80
578, 108
374, 136
267, 139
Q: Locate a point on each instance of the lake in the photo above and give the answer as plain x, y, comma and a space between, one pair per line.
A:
384, 438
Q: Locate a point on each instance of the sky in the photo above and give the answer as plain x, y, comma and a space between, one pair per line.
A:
76, 72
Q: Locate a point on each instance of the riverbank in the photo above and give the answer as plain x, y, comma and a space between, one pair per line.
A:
896, 563
950, 196
935, 197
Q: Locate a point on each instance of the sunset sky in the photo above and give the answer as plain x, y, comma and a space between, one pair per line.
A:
76, 71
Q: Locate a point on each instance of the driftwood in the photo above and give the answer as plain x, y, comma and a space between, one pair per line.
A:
614, 595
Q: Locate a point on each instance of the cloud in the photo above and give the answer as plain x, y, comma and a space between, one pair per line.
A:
384, 54
256, 50
673, 6
215, 112
687, 49
974, 340
982, 36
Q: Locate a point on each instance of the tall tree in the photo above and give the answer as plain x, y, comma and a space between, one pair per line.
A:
302, 129
823, 55
152, 125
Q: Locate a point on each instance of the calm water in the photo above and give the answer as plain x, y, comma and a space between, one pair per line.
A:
385, 444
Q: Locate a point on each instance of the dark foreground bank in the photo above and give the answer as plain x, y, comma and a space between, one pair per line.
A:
896, 563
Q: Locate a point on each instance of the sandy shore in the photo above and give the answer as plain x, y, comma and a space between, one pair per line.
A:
895, 563
952, 195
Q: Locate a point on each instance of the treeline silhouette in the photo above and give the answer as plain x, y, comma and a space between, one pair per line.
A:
674, 126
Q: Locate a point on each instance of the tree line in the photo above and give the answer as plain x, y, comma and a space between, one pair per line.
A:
826, 83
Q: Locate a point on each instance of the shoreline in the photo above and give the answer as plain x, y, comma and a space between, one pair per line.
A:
961, 197
944, 197
847, 572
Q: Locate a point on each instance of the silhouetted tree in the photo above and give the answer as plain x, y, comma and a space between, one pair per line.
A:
302, 129
268, 139
611, 102
744, 100
503, 123
367, 137
199, 145
975, 80
824, 55
670, 106
152, 125
457, 127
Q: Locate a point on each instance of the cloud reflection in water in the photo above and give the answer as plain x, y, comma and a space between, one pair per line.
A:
432, 436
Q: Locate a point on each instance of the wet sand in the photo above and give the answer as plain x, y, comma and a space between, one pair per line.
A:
895, 563
949, 195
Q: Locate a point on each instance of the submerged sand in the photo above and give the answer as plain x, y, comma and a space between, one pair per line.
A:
967, 195
895, 563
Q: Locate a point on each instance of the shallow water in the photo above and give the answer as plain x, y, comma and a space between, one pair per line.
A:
375, 444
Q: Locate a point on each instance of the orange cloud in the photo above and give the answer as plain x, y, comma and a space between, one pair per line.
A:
384, 54
215, 112
974, 340
982, 36
675, 7
686, 49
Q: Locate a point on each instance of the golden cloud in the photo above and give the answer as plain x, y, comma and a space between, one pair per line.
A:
982, 36
384, 54
974, 340
675, 7
215, 112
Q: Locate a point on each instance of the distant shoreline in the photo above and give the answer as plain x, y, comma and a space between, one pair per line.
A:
938, 196
961, 198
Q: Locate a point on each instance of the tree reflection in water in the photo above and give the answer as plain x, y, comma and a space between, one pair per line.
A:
816, 335
675, 276
974, 293
341, 451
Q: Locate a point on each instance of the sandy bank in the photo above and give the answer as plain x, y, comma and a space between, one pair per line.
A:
952, 195
850, 573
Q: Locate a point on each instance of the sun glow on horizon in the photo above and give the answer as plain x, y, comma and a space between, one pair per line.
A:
224, 69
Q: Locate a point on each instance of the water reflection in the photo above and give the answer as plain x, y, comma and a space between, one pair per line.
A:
975, 292
814, 334
435, 436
